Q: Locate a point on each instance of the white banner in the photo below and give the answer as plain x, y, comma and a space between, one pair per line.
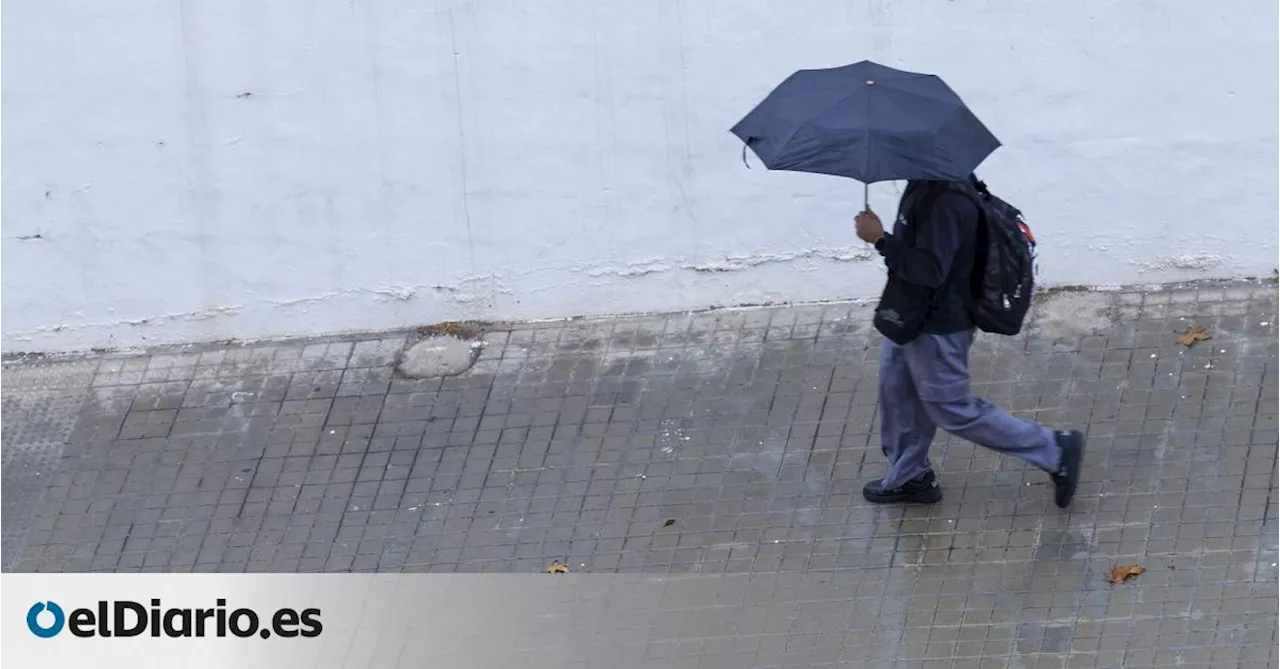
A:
428, 621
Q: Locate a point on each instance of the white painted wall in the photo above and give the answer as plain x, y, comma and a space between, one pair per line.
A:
187, 170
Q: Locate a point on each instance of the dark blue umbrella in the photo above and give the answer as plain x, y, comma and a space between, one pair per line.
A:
867, 122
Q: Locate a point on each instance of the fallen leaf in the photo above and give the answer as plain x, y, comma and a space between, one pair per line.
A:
1120, 574
557, 567
670, 522
1194, 334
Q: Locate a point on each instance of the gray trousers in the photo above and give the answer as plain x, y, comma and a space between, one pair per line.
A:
924, 386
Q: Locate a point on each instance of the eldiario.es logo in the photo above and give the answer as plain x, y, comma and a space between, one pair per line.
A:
125, 618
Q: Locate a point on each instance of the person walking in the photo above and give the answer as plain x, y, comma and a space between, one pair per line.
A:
924, 380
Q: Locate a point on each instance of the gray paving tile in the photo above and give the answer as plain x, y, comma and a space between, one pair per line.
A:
716, 443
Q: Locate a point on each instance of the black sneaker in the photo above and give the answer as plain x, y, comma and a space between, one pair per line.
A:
923, 490
1067, 478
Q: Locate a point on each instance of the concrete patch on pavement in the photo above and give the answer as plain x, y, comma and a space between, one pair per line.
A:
1072, 315
441, 355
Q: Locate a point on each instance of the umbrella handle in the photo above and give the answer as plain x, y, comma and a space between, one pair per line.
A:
866, 197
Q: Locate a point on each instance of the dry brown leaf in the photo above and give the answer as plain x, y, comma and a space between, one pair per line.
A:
557, 567
1194, 334
1120, 574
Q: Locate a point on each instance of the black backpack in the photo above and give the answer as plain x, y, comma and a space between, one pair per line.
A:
1004, 268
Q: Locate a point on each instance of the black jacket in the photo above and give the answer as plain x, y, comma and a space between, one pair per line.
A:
934, 248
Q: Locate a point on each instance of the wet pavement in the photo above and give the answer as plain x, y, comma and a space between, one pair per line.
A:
719, 442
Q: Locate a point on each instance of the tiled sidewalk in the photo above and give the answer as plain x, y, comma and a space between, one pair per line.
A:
733, 441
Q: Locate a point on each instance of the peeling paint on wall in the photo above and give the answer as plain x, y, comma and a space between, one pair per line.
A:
201, 315
630, 270
1197, 262
738, 263
730, 263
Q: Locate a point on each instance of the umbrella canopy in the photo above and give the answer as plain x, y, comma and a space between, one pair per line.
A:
867, 122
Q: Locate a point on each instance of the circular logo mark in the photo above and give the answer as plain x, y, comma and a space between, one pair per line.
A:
45, 631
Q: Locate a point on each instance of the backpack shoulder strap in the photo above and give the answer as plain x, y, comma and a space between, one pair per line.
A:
979, 185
